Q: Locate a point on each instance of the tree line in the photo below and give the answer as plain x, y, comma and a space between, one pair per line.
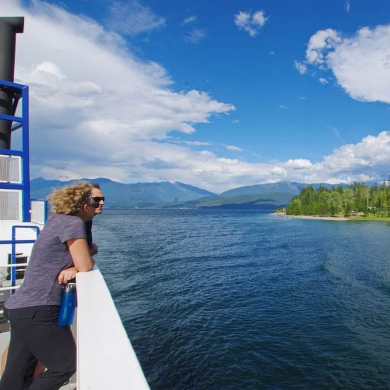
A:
355, 199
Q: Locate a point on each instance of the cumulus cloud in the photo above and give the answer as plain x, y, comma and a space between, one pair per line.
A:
360, 64
371, 151
279, 171
319, 44
251, 22
102, 110
99, 111
299, 164
368, 160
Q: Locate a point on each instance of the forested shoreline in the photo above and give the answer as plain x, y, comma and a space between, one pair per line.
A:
353, 200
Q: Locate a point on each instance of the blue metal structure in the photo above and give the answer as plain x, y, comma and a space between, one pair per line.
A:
18, 91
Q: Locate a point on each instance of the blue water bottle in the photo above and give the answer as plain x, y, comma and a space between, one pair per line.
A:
68, 304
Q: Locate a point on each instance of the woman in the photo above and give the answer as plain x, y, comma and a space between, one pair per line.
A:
58, 254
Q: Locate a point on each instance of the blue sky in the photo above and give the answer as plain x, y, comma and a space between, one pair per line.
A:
217, 94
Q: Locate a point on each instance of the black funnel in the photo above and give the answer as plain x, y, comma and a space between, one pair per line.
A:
9, 27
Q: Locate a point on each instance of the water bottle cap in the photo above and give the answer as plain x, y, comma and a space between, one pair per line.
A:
70, 287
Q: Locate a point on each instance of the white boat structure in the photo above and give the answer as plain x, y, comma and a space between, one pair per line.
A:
105, 356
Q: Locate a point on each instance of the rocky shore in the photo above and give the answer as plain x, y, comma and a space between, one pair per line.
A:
281, 214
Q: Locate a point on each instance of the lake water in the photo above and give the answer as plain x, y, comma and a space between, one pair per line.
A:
248, 300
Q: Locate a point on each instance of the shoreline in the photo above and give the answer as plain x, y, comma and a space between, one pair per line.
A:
316, 217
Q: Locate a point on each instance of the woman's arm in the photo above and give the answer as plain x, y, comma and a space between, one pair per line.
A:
79, 251
82, 260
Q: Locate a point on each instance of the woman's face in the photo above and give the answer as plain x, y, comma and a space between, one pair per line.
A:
97, 193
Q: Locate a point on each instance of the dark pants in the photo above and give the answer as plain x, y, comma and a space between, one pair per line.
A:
35, 336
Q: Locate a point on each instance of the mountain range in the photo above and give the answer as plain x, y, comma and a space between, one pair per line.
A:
179, 195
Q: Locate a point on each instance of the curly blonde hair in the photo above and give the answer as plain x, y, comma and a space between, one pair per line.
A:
70, 199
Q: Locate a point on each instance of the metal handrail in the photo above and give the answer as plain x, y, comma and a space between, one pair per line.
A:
9, 288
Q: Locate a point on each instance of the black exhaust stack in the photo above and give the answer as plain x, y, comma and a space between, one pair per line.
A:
9, 27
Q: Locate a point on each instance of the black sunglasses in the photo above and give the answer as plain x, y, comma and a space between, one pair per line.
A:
95, 200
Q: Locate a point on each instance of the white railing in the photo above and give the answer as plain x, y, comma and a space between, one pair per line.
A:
105, 356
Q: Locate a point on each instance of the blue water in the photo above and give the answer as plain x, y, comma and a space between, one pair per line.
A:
248, 300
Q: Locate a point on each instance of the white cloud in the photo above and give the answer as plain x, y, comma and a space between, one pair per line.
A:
190, 19
360, 64
195, 36
234, 148
370, 152
299, 164
192, 143
319, 44
99, 111
278, 171
130, 17
300, 67
250, 22
102, 110
368, 160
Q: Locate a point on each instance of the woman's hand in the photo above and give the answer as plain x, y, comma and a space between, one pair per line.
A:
67, 274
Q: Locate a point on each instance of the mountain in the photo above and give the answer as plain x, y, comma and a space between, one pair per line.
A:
270, 201
287, 187
179, 195
120, 195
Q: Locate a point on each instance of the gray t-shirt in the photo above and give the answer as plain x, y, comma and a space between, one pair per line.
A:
50, 255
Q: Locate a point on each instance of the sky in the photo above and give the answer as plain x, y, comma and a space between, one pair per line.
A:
217, 94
